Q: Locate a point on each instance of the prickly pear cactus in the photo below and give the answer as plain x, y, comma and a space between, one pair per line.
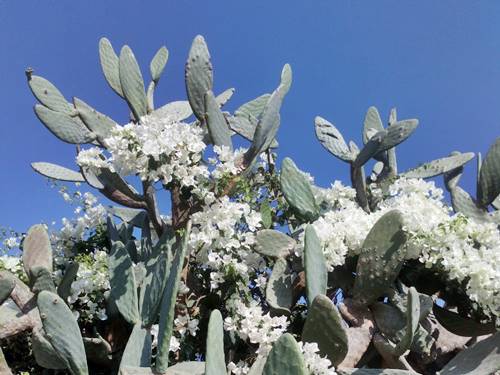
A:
255, 269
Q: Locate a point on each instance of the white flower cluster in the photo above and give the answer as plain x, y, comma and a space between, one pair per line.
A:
224, 232
89, 215
92, 159
12, 264
470, 251
466, 249
315, 363
11, 242
250, 323
87, 298
174, 344
156, 149
227, 162
183, 325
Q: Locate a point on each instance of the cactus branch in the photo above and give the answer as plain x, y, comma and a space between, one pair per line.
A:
152, 207
358, 183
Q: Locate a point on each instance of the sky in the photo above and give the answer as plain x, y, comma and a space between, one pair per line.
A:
437, 61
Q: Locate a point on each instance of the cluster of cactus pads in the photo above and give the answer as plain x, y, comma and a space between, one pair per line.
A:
379, 320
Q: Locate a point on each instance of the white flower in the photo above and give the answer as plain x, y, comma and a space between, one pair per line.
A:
159, 149
174, 344
250, 323
239, 368
11, 242
92, 159
316, 364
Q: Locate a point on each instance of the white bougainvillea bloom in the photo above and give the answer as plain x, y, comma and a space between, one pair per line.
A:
466, 249
159, 149
315, 363
250, 323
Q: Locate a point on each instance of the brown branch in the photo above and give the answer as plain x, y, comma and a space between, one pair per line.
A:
29, 317
181, 208
360, 334
359, 184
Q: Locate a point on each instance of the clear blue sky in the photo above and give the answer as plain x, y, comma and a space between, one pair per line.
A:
438, 61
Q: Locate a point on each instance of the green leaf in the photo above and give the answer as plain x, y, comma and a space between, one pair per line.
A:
331, 139
48, 95
297, 190
199, 76
381, 258
482, 358
279, 292
57, 172
489, 180
439, 166
462, 326
68, 129
215, 363
314, 265
132, 83
62, 331
37, 251
285, 358
273, 243
325, 326
110, 65
158, 64
122, 282
216, 122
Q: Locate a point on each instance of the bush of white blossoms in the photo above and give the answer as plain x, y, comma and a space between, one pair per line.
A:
255, 270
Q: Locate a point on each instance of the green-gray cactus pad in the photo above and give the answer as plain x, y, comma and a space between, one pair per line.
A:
381, 258
297, 190
199, 76
325, 326
57, 172
273, 243
314, 265
285, 358
279, 293
215, 363
62, 331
